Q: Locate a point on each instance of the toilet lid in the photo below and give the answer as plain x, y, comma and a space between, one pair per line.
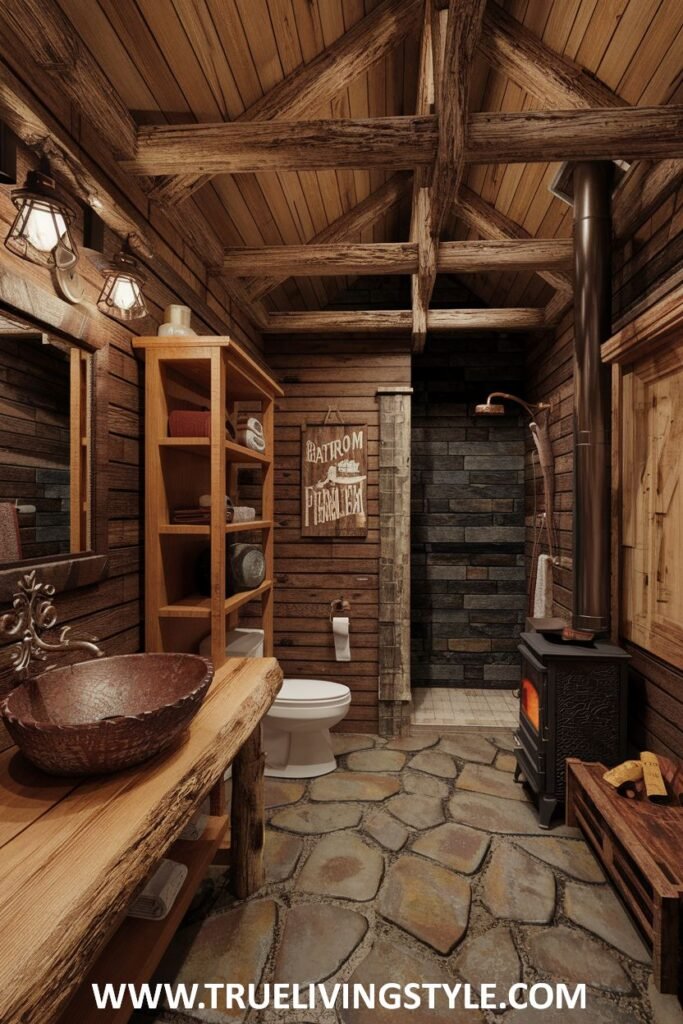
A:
303, 691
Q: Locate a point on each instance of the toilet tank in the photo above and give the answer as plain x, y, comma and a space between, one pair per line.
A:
241, 643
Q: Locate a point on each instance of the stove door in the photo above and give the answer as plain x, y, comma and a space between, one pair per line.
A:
532, 721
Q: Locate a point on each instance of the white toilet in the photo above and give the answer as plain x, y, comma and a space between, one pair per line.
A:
296, 730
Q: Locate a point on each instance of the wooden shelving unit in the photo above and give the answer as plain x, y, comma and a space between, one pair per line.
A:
202, 374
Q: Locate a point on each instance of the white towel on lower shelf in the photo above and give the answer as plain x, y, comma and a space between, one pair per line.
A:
543, 594
159, 895
194, 829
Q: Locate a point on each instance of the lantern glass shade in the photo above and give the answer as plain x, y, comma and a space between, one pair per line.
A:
121, 294
41, 231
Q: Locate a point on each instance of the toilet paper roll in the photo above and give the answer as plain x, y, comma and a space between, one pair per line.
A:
340, 631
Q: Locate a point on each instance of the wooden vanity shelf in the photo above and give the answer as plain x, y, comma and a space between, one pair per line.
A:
75, 852
209, 374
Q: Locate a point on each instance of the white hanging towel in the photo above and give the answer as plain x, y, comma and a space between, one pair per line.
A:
543, 594
156, 899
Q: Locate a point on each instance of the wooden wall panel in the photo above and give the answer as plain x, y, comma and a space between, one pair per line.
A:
311, 572
646, 267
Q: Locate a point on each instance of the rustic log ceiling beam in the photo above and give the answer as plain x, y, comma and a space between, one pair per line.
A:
347, 226
392, 320
452, 36
312, 85
462, 32
558, 81
472, 257
421, 281
534, 136
260, 146
321, 260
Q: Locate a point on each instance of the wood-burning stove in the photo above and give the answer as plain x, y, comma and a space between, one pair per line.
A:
572, 704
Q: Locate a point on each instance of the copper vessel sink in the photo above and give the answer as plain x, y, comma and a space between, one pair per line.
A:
100, 716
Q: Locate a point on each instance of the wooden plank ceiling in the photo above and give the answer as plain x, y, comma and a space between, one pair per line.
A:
174, 62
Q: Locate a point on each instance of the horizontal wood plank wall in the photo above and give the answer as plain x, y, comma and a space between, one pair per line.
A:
113, 609
646, 267
310, 572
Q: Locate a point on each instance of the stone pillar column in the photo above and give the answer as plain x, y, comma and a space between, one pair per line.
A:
394, 560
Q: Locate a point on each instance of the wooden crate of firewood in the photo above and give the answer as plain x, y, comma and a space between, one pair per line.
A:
639, 845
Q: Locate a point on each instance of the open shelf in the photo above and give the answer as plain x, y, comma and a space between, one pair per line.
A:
197, 607
135, 950
214, 377
235, 453
202, 529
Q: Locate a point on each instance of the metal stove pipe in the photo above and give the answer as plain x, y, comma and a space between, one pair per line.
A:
592, 326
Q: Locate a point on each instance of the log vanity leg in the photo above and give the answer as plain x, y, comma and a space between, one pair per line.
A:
247, 817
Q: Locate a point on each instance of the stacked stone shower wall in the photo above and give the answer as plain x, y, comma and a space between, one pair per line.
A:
468, 576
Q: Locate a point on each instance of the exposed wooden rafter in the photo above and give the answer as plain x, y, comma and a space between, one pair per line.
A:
534, 136
555, 79
392, 320
259, 146
347, 226
312, 85
315, 260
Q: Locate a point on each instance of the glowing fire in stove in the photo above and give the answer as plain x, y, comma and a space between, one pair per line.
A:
530, 703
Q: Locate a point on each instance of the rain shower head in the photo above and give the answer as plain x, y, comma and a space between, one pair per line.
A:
490, 409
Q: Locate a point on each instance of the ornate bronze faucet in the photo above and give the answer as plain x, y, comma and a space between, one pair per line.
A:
33, 614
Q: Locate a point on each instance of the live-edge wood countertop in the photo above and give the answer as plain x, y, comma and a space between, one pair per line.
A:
73, 853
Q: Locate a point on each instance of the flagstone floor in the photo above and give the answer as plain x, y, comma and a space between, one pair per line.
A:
419, 860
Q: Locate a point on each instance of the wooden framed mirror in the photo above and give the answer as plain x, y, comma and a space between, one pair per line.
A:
53, 457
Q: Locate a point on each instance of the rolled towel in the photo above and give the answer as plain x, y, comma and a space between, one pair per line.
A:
194, 829
159, 895
250, 439
250, 423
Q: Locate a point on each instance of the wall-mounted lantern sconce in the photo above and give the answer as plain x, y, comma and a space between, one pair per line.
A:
121, 295
40, 232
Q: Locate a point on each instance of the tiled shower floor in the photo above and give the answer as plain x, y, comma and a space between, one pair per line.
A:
441, 706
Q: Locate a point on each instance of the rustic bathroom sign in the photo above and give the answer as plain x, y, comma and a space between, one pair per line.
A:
334, 480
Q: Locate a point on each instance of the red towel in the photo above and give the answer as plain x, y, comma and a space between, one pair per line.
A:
189, 423
10, 538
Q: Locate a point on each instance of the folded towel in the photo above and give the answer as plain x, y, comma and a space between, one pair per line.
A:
198, 516
250, 439
191, 516
159, 895
194, 829
250, 423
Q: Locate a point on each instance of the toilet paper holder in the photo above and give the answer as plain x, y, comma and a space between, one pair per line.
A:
339, 607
